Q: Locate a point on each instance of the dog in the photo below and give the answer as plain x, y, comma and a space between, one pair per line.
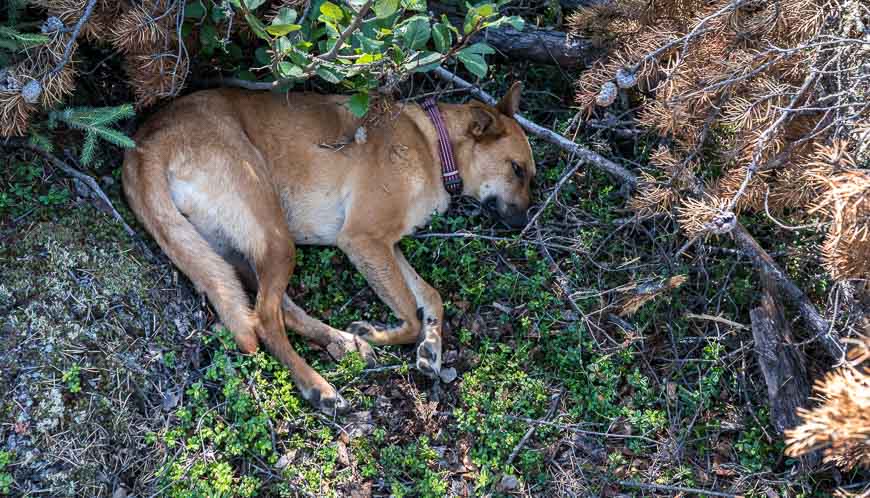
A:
228, 181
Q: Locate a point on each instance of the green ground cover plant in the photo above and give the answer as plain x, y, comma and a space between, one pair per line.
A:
595, 354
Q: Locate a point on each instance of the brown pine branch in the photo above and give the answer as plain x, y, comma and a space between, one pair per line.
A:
762, 261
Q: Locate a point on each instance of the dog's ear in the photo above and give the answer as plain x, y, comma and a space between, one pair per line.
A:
485, 122
510, 103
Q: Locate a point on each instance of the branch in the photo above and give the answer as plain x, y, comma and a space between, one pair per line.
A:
70, 171
353, 26
67, 52
679, 489
762, 261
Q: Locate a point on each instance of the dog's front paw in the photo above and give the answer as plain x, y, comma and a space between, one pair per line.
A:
326, 399
429, 355
348, 343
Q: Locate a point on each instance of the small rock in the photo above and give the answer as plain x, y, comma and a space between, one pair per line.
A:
450, 357
507, 483
360, 424
285, 460
448, 375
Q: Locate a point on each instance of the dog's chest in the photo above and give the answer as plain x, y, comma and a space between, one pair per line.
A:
313, 217
421, 212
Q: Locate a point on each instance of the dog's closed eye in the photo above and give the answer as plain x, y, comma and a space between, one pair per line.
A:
518, 170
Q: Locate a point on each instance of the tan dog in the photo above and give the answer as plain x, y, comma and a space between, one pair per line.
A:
228, 182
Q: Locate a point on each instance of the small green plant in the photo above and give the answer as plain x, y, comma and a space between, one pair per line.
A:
96, 122
5, 476
72, 378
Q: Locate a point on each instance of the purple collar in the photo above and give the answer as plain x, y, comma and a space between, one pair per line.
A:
449, 173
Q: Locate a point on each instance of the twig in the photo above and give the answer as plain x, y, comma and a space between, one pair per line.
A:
568, 174
677, 489
353, 26
554, 403
760, 258
78, 175
714, 318
67, 51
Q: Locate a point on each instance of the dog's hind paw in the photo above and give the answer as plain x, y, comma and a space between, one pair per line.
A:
362, 329
349, 343
429, 355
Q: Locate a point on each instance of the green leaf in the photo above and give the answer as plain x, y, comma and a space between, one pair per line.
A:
285, 15
329, 74
22, 40
88, 149
416, 32
359, 104
415, 5
385, 8
253, 4
479, 48
332, 11
369, 45
115, 137
208, 36
442, 37
288, 70
257, 27
194, 9
474, 62
425, 61
282, 29
261, 55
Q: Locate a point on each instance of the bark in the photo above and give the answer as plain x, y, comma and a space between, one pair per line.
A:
780, 362
543, 46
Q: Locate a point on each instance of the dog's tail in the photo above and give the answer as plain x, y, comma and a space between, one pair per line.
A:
148, 193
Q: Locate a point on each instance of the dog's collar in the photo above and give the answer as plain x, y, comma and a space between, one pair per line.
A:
449, 173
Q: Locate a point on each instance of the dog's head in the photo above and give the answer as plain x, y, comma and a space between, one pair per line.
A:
501, 167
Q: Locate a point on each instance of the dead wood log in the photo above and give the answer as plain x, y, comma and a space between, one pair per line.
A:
821, 328
780, 362
543, 46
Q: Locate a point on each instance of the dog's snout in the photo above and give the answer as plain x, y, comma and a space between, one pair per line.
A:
491, 204
516, 216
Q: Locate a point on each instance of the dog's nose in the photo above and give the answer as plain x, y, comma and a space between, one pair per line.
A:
490, 204
515, 216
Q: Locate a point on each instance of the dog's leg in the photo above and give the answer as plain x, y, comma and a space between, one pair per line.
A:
337, 342
431, 308
273, 272
408, 296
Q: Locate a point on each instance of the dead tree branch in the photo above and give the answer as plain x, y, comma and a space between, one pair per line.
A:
762, 261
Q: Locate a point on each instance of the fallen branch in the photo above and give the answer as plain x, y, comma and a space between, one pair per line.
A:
782, 365
107, 206
554, 403
676, 489
822, 329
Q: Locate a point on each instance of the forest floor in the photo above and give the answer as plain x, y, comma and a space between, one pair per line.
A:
116, 378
